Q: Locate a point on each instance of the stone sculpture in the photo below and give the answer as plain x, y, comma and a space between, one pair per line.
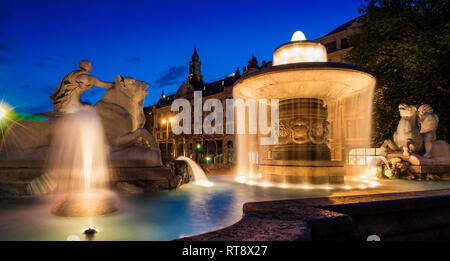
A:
66, 97
407, 137
301, 131
121, 113
428, 126
423, 156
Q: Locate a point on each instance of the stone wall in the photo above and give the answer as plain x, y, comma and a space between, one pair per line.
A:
394, 216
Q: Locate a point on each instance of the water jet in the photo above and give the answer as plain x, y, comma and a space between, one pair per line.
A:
79, 162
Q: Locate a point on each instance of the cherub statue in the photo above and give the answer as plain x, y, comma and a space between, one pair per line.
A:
66, 97
428, 126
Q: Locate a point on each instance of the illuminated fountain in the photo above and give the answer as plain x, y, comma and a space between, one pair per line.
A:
78, 161
308, 87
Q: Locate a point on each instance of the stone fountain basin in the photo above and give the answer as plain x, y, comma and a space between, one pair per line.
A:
328, 81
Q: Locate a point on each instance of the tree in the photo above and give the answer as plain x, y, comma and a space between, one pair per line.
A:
406, 45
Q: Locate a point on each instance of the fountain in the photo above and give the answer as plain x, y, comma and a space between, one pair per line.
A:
307, 86
79, 162
198, 173
71, 137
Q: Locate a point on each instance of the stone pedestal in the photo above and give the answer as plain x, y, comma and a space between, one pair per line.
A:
302, 154
28, 178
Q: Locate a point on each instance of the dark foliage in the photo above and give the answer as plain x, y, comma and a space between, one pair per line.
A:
406, 44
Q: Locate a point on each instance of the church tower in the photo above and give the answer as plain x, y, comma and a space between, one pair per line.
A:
195, 77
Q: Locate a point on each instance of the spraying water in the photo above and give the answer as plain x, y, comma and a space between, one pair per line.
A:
78, 161
199, 175
371, 169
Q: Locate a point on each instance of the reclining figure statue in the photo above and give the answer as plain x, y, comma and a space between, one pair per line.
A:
121, 112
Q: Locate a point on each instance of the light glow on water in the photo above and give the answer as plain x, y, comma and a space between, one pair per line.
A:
157, 216
204, 183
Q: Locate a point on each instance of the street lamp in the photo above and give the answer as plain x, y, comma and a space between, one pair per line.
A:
167, 121
2, 112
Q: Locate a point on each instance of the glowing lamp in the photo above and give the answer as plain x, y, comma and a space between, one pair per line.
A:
199, 146
299, 50
2, 112
171, 119
164, 121
298, 36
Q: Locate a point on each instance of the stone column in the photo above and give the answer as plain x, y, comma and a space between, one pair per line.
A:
303, 130
302, 155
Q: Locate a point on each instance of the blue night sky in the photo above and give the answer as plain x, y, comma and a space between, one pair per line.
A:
41, 41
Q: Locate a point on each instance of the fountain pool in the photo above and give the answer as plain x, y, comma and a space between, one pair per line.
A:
168, 215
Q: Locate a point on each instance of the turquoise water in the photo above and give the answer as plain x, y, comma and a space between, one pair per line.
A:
167, 215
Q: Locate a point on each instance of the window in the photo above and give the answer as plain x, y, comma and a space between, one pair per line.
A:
345, 43
331, 47
362, 156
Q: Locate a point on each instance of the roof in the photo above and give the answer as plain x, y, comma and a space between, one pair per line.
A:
209, 89
166, 101
218, 86
344, 26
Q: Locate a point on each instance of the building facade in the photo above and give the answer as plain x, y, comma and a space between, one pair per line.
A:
348, 127
214, 149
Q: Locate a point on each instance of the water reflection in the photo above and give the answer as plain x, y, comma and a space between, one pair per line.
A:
171, 214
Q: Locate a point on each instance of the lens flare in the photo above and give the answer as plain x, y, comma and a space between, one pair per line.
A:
2, 112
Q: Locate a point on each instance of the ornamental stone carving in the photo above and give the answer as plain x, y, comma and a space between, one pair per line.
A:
302, 131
